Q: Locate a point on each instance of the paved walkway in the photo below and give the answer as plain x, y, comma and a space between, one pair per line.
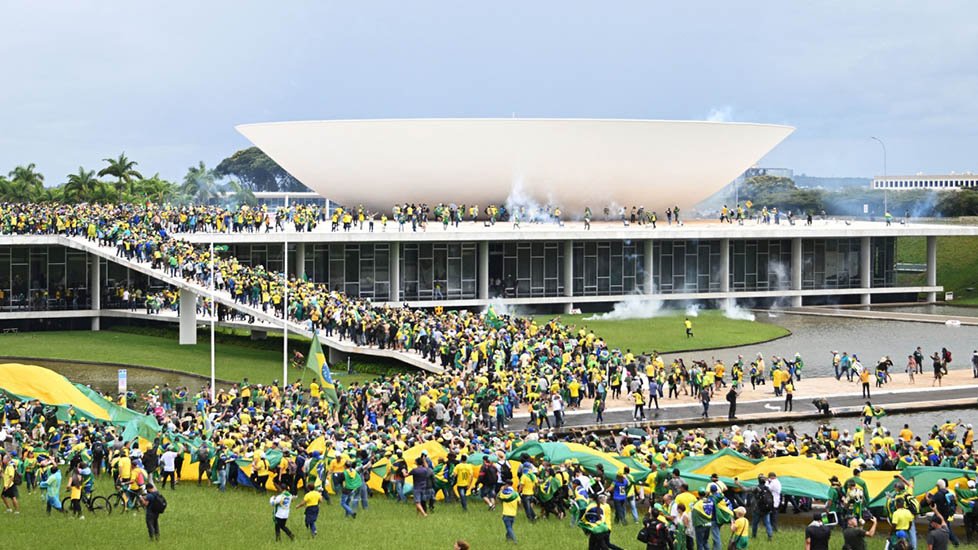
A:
958, 384
885, 315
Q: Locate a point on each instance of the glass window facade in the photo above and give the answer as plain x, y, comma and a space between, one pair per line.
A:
883, 259
268, 256
830, 263
433, 271
526, 269
686, 266
760, 264
43, 278
603, 268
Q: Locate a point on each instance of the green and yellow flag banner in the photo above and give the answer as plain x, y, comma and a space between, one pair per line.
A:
810, 477
316, 362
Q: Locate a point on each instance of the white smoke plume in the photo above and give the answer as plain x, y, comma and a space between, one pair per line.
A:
720, 114
693, 310
631, 309
732, 311
532, 211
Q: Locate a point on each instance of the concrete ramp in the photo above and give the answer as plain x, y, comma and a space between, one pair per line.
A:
267, 321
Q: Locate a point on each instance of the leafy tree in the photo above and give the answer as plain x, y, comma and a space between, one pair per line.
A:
200, 184
156, 189
26, 184
123, 169
961, 202
80, 186
240, 194
256, 171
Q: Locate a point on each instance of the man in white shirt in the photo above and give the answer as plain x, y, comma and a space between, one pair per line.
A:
558, 408
169, 461
282, 504
774, 484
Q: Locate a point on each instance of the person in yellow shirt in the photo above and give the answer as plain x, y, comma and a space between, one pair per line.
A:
137, 483
314, 391
464, 479
738, 529
575, 393
9, 469
527, 488
311, 502
511, 503
789, 390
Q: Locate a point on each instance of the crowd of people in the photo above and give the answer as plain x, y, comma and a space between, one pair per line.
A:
250, 423
493, 365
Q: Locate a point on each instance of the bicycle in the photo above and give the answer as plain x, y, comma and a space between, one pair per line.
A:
120, 500
95, 504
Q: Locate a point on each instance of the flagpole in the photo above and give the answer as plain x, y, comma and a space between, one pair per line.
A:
213, 320
285, 315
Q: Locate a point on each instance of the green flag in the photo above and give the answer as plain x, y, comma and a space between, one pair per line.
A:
316, 362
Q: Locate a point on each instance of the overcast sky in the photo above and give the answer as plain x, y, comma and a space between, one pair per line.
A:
167, 81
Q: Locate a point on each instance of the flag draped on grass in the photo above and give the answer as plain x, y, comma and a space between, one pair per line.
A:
316, 362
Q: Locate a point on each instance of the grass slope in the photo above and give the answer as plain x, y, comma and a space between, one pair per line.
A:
236, 357
204, 518
668, 334
957, 264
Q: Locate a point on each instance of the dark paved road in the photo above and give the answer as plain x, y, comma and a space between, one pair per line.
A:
772, 407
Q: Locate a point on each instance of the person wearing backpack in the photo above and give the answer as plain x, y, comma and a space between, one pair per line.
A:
762, 504
155, 505
203, 462
655, 534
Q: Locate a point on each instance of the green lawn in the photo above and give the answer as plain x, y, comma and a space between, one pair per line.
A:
204, 518
236, 356
957, 264
668, 334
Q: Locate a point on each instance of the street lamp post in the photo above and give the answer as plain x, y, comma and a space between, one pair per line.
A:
885, 183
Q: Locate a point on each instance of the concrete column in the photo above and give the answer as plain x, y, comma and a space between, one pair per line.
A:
188, 317
568, 268
724, 269
865, 268
483, 270
395, 271
648, 267
796, 270
931, 267
95, 290
300, 260
724, 265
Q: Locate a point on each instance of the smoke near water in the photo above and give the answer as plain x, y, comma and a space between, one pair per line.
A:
631, 309
732, 311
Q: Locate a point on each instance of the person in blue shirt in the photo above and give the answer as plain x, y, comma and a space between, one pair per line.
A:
52, 484
619, 494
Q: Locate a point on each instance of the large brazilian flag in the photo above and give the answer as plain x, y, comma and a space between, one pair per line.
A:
316, 362
587, 457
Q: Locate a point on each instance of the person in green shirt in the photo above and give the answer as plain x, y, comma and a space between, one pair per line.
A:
351, 487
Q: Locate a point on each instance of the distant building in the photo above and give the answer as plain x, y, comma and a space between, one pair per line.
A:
939, 182
285, 198
776, 172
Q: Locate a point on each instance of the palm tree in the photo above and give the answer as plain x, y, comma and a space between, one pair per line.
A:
200, 184
155, 188
80, 186
123, 169
240, 194
25, 184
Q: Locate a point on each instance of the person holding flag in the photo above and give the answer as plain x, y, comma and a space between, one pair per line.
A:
316, 362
